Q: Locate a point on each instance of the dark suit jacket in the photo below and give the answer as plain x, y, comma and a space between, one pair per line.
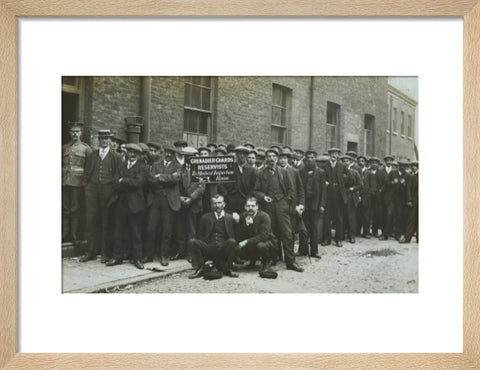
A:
207, 226
368, 185
262, 189
244, 182
262, 229
389, 184
193, 190
412, 189
165, 183
130, 189
298, 189
319, 198
341, 170
90, 164
356, 183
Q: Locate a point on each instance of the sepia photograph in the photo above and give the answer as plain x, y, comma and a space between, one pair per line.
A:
240, 184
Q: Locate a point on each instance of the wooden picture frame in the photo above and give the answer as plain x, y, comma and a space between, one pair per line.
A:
11, 9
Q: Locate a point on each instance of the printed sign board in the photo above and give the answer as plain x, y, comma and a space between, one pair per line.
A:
213, 169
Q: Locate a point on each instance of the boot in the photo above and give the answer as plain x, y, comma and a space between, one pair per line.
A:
65, 228
74, 227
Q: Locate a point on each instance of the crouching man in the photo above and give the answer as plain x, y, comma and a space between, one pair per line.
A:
216, 241
255, 232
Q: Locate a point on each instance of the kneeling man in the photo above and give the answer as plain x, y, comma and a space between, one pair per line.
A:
216, 241
255, 232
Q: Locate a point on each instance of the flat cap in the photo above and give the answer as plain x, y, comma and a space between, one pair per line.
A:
154, 145
374, 159
311, 151
134, 147
286, 152
272, 150
388, 157
144, 147
220, 149
188, 150
352, 154
299, 151
242, 149
333, 150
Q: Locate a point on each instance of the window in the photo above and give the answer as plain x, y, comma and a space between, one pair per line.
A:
280, 114
394, 120
369, 127
352, 146
402, 127
197, 109
333, 122
409, 132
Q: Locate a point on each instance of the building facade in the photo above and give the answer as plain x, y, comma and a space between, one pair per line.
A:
365, 114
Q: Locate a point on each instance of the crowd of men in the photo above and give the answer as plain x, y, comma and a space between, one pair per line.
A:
141, 202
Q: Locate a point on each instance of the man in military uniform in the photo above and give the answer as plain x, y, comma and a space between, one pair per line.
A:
73, 163
101, 173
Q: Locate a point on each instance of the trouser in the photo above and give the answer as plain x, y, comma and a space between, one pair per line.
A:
350, 215
160, 220
221, 253
411, 222
399, 217
314, 222
376, 213
388, 213
71, 208
334, 212
279, 212
298, 226
186, 223
365, 219
98, 216
127, 220
254, 251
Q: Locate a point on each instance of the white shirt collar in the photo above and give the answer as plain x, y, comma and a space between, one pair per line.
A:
222, 214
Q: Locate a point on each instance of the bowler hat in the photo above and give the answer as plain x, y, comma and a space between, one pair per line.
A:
388, 157
180, 143
362, 156
311, 151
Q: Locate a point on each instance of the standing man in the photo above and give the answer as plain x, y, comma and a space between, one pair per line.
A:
336, 173
297, 204
364, 210
216, 241
130, 206
275, 189
315, 189
375, 195
163, 203
390, 181
353, 184
298, 162
101, 173
245, 177
74, 155
412, 205
255, 232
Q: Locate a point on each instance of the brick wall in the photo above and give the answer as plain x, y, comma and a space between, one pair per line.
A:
242, 109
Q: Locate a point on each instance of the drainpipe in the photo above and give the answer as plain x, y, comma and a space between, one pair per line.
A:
146, 100
311, 115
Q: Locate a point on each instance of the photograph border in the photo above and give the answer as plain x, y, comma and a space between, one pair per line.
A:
11, 10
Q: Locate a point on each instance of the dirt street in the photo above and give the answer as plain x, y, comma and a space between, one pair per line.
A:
368, 266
